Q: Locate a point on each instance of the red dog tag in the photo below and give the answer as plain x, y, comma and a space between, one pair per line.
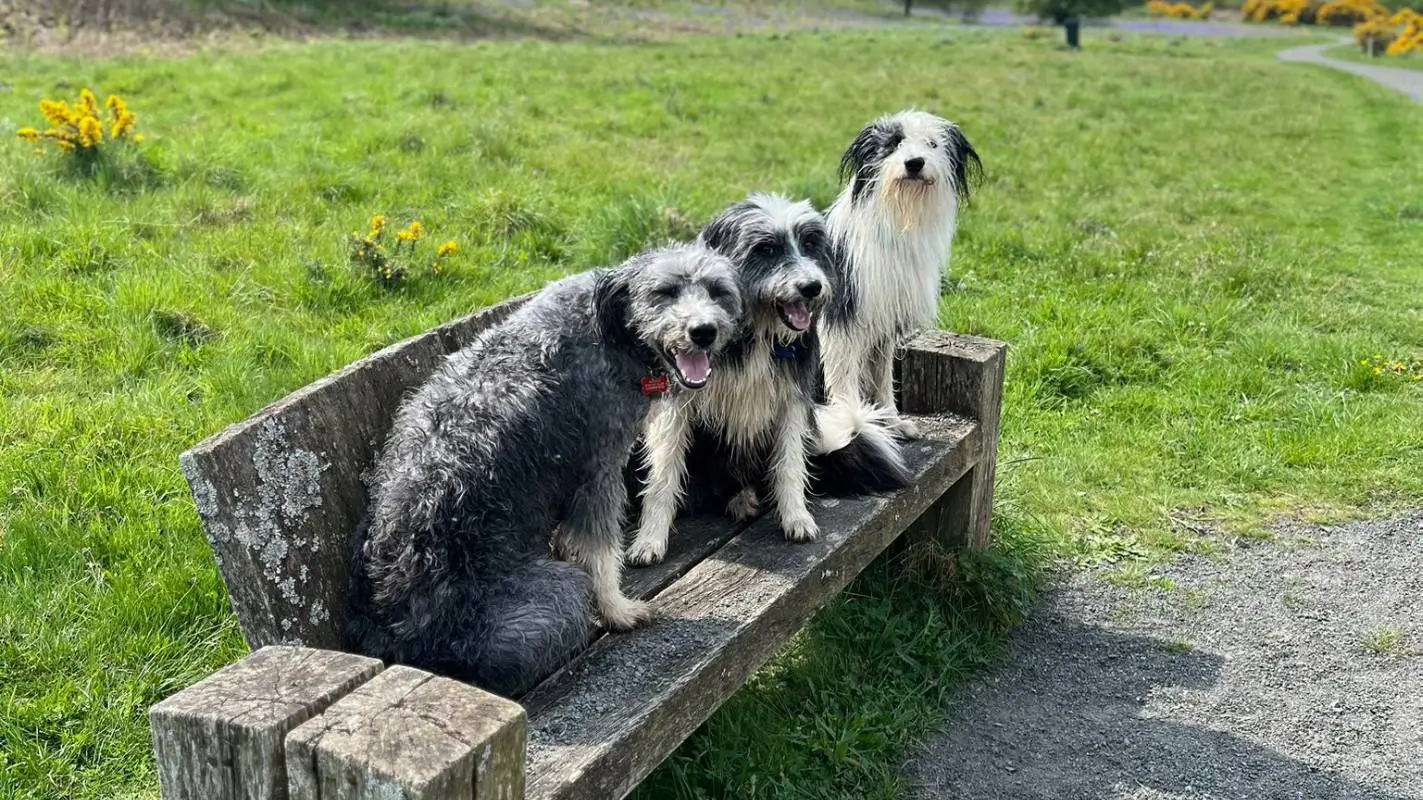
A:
652, 387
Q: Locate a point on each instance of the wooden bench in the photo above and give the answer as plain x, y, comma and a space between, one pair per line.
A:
280, 494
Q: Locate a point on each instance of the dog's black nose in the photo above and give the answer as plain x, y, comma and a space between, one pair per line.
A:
702, 335
811, 290
914, 165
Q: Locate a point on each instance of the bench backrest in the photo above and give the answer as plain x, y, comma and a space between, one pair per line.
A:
280, 493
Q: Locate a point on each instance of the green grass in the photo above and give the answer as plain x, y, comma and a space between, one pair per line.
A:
1353, 53
1189, 289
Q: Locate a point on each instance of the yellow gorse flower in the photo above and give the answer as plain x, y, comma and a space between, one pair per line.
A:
447, 249
81, 128
414, 233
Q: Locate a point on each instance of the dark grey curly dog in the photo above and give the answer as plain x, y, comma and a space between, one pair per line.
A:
525, 431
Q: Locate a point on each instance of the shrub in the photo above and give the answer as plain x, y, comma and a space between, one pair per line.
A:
1179, 10
1411, 39
1349, 12
81, 131
1375, 35
390, 267
1288, 12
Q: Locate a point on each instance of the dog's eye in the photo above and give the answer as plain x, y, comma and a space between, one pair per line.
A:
719, 292
665, 293
810, 242
933, 145
766, 249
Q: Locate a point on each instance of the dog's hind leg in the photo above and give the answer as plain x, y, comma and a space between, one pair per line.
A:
789, 476
669, 434
592, 536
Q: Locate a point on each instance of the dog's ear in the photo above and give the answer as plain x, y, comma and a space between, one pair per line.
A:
611, 297
720, 234
864, 154
968, 169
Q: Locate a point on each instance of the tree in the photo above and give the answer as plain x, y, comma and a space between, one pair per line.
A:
1069, 13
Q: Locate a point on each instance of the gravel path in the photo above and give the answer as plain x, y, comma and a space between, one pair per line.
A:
1284, 670
1408, 81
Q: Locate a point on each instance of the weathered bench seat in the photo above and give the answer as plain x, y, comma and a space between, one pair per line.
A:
280, 493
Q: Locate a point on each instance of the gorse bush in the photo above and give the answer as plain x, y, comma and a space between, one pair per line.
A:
81, 130
1381, 34
1161, 8
391, 266
1349, 12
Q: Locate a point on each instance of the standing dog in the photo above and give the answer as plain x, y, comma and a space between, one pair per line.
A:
525, 430
893, 227
751, 431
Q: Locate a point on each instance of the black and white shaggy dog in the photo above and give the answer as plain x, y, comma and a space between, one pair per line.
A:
892, 227
751, 433
516, 446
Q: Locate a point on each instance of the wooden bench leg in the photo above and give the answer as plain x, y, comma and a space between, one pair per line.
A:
951, 373
411, 735
222, 738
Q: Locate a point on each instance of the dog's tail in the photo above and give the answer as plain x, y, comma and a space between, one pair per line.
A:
856, 454
527, 625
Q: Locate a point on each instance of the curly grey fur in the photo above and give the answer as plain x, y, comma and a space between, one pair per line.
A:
525, 430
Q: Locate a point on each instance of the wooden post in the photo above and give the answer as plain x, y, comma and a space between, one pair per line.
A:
222, 738
411, 735
952, 373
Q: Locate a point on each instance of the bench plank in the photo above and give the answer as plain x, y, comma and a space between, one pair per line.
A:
280, 494
411, 735
221, 738
600, 725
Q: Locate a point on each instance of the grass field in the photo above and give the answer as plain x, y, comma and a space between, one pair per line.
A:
1194, 292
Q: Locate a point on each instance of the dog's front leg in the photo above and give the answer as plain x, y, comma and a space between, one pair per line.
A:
592, 536
789, 477
669, 433
881, 371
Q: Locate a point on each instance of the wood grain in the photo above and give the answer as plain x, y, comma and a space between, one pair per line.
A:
410, 735
222, 738
947, 372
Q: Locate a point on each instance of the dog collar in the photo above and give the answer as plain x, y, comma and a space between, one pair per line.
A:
654, 386
782, 352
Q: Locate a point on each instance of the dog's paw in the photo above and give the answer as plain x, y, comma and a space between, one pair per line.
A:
624, 614
744, 506
644, 552
904, 428
800, 529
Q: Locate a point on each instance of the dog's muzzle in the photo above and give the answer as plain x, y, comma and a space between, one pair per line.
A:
797, 314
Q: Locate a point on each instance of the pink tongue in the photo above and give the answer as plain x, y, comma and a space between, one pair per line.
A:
799, 316
695, 367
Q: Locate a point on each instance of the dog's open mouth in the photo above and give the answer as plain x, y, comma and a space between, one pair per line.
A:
693, 367
795, 315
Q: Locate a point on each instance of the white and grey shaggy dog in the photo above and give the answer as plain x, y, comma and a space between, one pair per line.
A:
750, 434
892, 227
516, 446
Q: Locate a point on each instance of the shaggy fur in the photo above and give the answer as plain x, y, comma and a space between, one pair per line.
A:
746, 435
523, 432
893, 227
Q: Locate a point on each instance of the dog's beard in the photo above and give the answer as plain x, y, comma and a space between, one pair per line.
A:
909, 201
